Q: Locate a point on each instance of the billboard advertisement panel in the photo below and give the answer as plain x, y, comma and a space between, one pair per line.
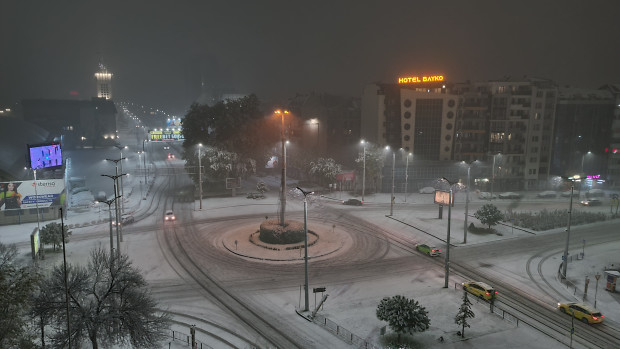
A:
30, 194
45, 155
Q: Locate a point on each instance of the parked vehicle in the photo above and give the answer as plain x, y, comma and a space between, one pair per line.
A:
509, 195
582, 312
126, 219
485, 195
427, 190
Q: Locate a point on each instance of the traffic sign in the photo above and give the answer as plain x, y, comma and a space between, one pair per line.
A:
318, 289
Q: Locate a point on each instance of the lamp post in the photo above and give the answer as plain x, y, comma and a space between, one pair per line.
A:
392, 195
282, 113
597, 276
467, 201
318, 133
145, 169
117, 193
200, 173
447, 262
493, 176
109, 203
118, 236
364, 169
306, 308
122, 191
407, 176
64, 259
570, 209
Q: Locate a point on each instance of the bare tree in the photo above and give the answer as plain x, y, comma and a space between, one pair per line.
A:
16, 284
109, 304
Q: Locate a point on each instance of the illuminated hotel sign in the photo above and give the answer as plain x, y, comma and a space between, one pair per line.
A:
420, 79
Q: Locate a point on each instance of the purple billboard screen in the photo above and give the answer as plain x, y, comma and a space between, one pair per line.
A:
45, 155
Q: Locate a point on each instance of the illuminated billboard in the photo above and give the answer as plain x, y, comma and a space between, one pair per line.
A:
166, 135
48, 155
30, 194
420, 79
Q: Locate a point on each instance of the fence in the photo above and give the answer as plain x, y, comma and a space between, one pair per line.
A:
187, 339
342, 332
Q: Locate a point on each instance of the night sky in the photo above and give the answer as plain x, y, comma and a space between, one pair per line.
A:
159, 50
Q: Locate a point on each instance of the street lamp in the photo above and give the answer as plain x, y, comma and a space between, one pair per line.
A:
570, 209
407, 176
282, 113
145, 169
200, 173
364, 169
109, 203
118, 235
467, 200
120, 148
447, 262
117, 191
306, 193
393, 167
318, 132
583, 157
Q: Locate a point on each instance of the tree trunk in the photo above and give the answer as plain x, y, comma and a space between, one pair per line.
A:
42, 324
463, 330
93, 341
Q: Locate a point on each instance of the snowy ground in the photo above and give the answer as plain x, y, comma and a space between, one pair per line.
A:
354, 309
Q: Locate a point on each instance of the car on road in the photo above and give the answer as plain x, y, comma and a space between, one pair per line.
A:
480, 289
429, 250
353, 202
547, 194
582, 312
509, 195
126, 219
591, 202
566, 194
169, 216
171, 156
427, 190
485, 195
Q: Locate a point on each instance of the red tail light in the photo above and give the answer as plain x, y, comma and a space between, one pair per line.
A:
432, 250
495, 292
594, 318
487, 293
438, 250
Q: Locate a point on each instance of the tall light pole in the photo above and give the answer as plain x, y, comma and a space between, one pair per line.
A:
493, 176
393, 170
570, 209
282, 113
117, 192
122, 191
306, 193
144, 159
109, 203
64, 259
467, 201
118, 234
200, 173
447, 262
318, 133
407, 176
363, 170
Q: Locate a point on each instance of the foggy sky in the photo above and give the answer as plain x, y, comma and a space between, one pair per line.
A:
159, 50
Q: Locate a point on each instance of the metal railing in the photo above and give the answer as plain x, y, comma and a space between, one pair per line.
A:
343, 333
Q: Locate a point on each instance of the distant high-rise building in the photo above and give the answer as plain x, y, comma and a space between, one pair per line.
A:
104, 82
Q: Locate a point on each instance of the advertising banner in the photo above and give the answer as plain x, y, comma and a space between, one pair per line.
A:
30, 194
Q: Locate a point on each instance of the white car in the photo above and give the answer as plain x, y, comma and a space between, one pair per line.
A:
169, 216
547, 194
427, 190
509, 195
485, 195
